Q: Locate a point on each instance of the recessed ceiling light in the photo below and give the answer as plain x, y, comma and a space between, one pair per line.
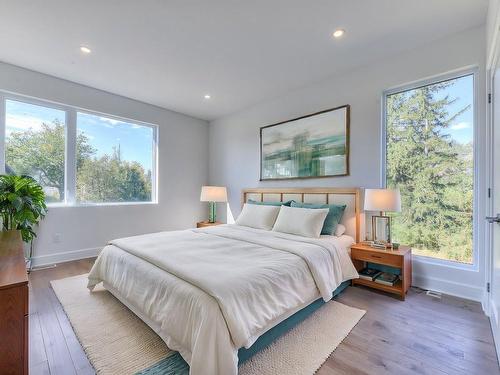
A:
338, 33
85, 50
207, 96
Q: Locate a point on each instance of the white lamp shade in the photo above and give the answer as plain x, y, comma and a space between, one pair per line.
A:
382, 200
213, 194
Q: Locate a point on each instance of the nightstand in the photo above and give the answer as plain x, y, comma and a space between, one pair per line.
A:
394, 261
203, 224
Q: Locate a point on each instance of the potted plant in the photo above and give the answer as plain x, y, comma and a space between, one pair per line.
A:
22, 206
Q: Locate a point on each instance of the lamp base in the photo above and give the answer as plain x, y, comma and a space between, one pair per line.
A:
211, 212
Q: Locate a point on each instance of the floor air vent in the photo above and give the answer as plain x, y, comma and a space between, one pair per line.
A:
433, 293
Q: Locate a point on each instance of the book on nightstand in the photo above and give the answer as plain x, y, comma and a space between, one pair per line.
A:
368, 274
387, 278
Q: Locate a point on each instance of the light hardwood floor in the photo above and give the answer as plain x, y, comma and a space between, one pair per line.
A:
421, 335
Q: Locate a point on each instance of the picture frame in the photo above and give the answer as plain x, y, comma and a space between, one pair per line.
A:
310, 146
381, 228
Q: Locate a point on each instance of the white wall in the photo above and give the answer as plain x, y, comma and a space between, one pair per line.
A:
182, 163
492, 25
234, 140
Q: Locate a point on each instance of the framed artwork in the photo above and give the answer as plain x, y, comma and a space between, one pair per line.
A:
311, 146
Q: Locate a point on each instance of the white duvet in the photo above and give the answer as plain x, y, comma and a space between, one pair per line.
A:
208, 292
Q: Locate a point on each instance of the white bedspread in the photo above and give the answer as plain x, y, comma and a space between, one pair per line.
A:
220, 288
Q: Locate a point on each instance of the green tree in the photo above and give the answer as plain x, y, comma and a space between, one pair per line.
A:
110, 179
433, 172
40, 154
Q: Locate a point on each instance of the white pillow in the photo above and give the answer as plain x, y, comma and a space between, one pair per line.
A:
306, 222
258, 216
340, 230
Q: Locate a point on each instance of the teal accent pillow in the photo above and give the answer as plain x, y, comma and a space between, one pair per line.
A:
332, 219
288, 203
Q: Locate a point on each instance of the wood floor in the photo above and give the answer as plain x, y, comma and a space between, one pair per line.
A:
422, 335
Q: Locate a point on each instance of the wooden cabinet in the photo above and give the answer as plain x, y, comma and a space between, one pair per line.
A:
398, 259
13, 305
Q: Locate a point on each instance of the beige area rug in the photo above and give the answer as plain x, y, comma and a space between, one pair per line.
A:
116, 341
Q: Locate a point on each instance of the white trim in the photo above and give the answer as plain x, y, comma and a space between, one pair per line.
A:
113, 117
103, 204
383, 140
486, 304
70, 158
494, 328
494, 315
488, 233
452, 74
436, 78
478, 223
2, 136
67, 256
452, 288
489, 304
154, 166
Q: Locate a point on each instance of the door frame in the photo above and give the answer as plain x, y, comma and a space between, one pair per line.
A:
489, 307
491, 64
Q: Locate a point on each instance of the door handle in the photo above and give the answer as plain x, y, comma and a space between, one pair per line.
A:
493, 219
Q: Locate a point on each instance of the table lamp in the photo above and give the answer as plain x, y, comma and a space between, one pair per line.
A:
213, 194
382, 200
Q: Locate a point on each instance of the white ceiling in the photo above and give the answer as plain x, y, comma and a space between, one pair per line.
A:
171, 53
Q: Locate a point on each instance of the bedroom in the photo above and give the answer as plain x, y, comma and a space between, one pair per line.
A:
124, 114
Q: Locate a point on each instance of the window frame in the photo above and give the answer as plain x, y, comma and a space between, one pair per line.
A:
458, 73
70, 147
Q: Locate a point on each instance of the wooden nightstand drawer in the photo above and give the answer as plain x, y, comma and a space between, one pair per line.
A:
377, 257
203, 224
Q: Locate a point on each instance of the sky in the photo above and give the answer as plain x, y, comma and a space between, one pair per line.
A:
103, 133
463, 89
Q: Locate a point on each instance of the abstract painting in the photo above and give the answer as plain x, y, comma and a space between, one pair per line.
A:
315, 145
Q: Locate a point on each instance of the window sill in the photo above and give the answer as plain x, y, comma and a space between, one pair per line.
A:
445, 263
109, 204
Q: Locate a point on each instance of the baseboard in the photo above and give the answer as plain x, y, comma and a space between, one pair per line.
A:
452, 288
494, 327
45, 260
486, 304
494, 313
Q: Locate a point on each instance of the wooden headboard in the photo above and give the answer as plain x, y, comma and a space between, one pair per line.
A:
348, 196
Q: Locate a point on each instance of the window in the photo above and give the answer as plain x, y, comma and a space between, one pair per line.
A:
114, 160
429, 157
34, 145
79, 157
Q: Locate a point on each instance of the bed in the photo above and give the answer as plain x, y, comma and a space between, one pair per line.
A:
218, 295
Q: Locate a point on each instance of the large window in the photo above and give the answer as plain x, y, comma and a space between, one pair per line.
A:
114, 160
79, 157
429, 157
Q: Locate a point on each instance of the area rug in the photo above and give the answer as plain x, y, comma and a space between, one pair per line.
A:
116, 341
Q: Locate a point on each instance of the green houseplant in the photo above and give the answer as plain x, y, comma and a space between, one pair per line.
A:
22, 206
